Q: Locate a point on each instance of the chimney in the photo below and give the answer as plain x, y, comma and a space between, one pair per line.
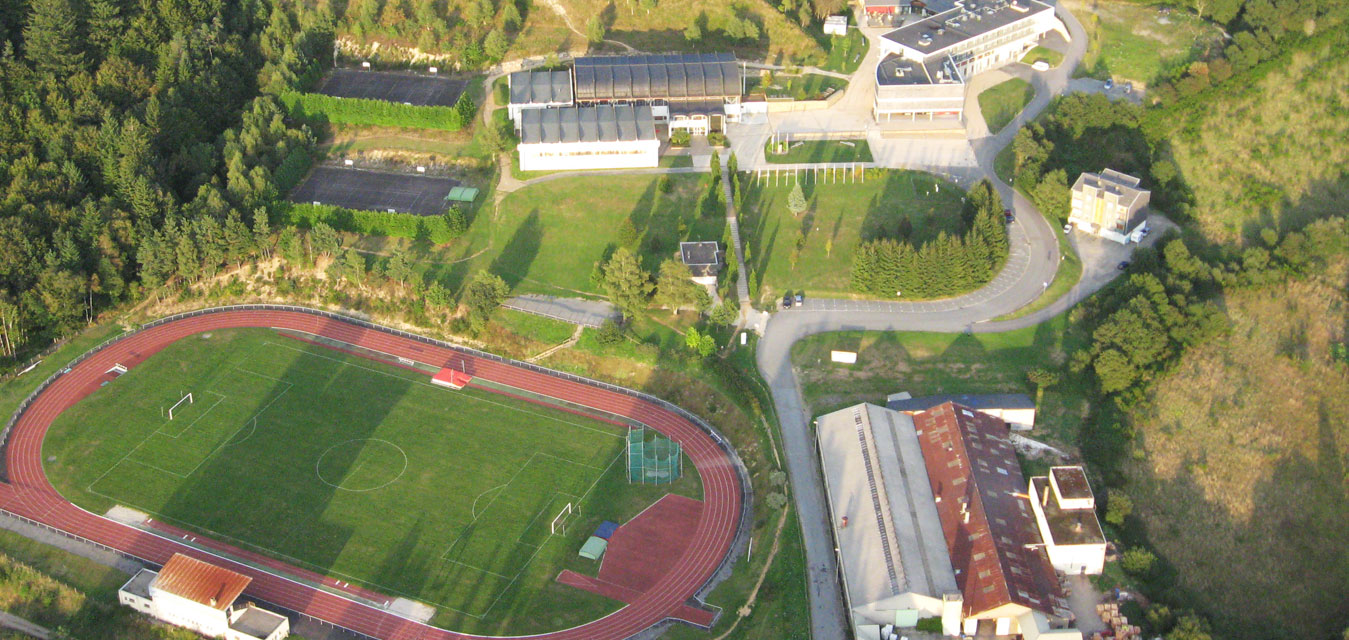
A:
212, 601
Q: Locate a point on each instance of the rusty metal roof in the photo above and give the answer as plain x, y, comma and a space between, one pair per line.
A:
201, 582
985, 515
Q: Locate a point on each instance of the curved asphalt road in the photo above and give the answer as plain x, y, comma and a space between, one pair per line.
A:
1034, 259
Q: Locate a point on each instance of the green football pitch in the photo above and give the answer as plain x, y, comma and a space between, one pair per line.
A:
358, 470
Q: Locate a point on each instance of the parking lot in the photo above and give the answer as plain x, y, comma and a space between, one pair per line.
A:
375, 191
433, 91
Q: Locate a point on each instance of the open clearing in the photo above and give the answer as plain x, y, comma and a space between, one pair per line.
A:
359, 470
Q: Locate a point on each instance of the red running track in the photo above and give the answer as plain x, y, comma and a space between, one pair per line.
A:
31, 495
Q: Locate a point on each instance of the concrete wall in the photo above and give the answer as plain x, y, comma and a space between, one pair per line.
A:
589, 155
185, 613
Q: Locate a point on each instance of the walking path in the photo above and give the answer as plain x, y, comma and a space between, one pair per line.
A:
15, 623
742, 275
577, 311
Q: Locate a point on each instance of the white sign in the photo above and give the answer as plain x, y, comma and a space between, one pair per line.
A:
421, 169
434, 70
846, 357
365, 65
348, 162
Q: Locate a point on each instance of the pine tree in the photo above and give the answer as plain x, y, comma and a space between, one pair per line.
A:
105, 25
675, 287
51, 39
595, 30
796, 200
628, 285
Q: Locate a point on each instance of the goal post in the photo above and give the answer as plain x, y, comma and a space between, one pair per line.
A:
559, 523
186, 398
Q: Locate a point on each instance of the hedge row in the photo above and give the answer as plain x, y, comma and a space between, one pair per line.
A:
319, 108
437, 229
292, 169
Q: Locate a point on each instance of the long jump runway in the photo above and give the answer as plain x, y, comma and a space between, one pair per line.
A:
30, 494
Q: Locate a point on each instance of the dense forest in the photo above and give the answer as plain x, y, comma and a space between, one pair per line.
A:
140, 142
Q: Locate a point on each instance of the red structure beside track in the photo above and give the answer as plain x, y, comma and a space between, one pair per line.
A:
32, 496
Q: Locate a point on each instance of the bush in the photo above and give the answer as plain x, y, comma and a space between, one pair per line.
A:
609, 333
1138, 561
292, 169
680, 138
437, 229
931, 625
716, 139
776, 501
320, 109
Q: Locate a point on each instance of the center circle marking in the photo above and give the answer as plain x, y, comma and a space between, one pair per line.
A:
359, 451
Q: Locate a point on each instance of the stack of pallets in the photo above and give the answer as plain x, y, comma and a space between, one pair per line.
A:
1120, 629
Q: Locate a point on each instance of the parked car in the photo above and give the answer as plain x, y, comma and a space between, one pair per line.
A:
1109, 84
1068, 228
1145, 231
1122, 265
1008, 216
1128, 88
787, 301
1040, 65
799, 299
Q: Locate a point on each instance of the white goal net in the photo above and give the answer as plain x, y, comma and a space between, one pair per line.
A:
186, 398
559, 524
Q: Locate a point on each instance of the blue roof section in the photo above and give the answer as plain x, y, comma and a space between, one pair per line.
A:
976, 402
606, 529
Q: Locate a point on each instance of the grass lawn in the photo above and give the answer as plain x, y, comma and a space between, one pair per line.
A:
413, 491
1130, 41
1003, 101
846, 52
810, 86
1004, 164
819, 151
929, 363
543, 329
840, 216
1042, 53
548, 236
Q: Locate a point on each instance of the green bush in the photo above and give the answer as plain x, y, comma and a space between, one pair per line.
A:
931, 625
320, 109
680, 138
292, 169
716, 139
376, 223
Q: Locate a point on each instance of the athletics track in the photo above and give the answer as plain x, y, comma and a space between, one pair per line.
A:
30, 495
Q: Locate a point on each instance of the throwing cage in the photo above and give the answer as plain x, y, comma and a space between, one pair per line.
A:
653, 458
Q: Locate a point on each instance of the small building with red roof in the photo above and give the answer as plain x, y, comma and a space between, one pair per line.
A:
200, 596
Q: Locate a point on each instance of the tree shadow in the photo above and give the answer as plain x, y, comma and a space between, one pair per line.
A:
519, 253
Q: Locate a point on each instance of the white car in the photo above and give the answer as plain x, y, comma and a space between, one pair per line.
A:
1040, 65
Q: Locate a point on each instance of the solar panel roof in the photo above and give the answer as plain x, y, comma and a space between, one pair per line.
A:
603, 123
673, 76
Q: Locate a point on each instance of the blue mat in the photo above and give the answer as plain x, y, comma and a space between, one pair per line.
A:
606, 529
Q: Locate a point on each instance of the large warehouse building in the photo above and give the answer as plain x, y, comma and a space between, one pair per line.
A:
598, 137
925, 63
931, 520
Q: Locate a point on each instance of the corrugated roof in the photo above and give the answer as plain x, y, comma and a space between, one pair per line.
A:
984, 512
603, 123
201, 582
540, 87
645, 77
980, 402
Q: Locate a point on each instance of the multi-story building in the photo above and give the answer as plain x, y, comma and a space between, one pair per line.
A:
1065, 510
1110, 204
927, 64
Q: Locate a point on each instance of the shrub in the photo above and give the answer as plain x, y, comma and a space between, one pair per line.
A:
680, 138
1138, 561
776, 501
931, 625
716, 139
609, 333
375, 223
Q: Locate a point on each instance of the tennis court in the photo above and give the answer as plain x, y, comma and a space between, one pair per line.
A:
375, 191
423, 91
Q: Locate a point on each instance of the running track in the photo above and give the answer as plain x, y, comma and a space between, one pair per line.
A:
31, 495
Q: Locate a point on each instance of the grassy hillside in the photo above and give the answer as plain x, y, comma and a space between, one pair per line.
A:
1273, 153
1138, 42
1243, 461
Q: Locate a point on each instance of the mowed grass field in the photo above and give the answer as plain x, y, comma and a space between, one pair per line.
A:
356, 469
840, 216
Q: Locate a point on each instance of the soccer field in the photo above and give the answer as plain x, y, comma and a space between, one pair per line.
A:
356, 469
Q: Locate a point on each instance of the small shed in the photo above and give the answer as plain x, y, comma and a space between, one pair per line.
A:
594, 548
703, 260
462, 194
836, 26
606, 529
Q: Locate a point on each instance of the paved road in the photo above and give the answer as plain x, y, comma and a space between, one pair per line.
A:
1030, 268
587, 313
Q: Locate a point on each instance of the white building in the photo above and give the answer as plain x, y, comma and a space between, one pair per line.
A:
1015, 409
200, 596
598, 137
925, 63
538, 90
1065, 511
1110, 205
836, 26
930, 521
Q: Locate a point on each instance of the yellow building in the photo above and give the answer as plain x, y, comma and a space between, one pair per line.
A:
1110, 205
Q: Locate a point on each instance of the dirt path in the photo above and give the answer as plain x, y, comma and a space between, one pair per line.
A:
575, 335
561, 12
754, 593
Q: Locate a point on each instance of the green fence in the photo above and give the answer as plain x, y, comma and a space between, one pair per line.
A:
653, 458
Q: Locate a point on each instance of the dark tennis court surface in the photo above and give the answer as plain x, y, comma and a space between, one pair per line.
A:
394, 87
375, 191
